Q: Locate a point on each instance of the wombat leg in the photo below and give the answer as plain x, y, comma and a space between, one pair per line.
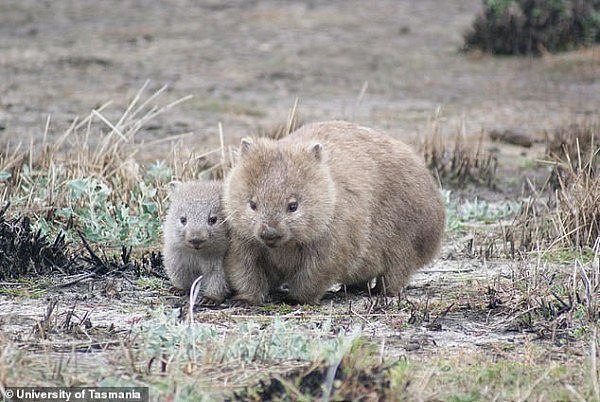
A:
233, 302
215, 285
243, 299
307, 287
388, 285
209, 302
358, 288
247, 277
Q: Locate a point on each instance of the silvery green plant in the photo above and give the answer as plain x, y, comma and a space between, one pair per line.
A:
247, 341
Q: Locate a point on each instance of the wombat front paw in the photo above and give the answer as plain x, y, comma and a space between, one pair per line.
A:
239, 303
209, 301
177, 291
243, 301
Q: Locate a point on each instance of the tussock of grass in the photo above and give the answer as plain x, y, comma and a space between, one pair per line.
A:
84, 188
458, 163
570, 218
572, 148
574, 141
578, 210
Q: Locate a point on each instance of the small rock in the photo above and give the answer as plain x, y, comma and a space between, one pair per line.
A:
511, 137
434, 326
410, 347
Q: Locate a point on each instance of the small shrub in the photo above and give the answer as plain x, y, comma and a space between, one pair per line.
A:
534, 26
576, 183
460, 214
113, 222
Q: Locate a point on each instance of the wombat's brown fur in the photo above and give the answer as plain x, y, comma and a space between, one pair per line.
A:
196, 238
331, 203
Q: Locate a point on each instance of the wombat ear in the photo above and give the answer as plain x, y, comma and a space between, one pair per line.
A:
174, 185
246, 145
317, 151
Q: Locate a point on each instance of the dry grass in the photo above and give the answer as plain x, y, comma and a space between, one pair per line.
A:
281, 130
558, 302
458, 162
92, 147
578, 210
569, 216
215, 164
573, 147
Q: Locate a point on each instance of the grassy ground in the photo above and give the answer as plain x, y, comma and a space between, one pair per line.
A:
509, 311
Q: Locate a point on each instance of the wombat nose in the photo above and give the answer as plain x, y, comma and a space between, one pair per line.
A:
269, 234
196, 241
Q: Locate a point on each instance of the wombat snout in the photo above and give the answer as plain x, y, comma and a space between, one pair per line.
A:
196, 239
269, 234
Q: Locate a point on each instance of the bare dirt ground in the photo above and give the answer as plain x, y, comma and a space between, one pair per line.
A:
386, 64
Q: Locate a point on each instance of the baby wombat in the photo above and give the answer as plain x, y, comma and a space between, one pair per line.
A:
331, 203
196, 238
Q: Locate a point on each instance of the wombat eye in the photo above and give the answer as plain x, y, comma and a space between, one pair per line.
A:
252, 205
212, 220
292, 206
183, 220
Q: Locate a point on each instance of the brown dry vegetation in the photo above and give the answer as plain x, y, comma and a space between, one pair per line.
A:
459, 161
566, 210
